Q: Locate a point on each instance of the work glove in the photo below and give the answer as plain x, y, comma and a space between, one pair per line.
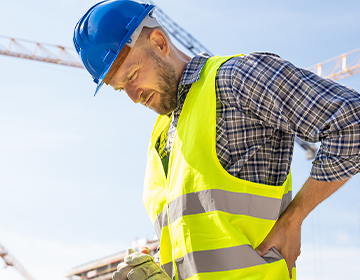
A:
139, 266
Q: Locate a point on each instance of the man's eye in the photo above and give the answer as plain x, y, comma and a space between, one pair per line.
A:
133, 77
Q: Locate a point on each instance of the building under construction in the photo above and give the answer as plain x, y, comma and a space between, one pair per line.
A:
103, 269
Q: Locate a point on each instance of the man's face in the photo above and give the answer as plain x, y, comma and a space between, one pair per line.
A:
149, 80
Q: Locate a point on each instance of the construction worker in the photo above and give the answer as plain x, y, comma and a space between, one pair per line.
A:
218, 181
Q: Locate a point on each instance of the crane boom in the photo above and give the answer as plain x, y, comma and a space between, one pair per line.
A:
183, 37
46, 52
339, 67
39, 51
336, 68
11, 261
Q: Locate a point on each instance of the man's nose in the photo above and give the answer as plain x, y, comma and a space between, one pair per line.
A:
134, 93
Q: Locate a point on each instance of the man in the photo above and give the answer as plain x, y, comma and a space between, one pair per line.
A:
218, 182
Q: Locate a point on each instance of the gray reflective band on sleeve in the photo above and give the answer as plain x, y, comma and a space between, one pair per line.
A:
229, 202
160, 222
168, 268
286, 201
222, 260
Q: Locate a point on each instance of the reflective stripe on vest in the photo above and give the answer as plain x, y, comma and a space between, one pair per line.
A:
232, 203
206, 261
208, 221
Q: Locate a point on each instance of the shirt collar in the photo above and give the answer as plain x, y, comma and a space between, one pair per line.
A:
192, 70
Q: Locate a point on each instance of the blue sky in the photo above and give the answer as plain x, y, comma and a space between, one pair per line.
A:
72, 165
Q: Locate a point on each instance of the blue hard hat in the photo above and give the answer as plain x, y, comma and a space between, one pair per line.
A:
103, 31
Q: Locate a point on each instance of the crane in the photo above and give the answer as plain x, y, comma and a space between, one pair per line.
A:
66, 56
39, 51
336, 68
339, 67
11, 261
183, 37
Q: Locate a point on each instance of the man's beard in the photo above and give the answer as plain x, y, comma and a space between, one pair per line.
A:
167, 84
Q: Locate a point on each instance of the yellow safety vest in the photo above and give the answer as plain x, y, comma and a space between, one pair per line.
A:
208, 221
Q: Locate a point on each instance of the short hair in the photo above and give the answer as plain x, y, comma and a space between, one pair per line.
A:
145, 32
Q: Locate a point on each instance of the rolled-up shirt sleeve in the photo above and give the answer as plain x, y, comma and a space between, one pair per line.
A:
299, 102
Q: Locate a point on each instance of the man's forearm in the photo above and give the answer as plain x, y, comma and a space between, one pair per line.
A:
310, 195
286, 233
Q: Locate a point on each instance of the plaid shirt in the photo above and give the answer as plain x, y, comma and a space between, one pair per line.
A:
262, 102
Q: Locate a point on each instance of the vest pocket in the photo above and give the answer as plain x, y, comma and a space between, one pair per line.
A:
273, 255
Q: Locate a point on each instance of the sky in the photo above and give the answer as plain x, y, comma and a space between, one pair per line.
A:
72, 166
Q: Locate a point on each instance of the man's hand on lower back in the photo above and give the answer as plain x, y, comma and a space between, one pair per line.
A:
286, 238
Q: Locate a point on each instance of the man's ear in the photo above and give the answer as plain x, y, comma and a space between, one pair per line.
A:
159, 41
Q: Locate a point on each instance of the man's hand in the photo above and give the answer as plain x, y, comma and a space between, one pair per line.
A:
139, 266
285, 236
